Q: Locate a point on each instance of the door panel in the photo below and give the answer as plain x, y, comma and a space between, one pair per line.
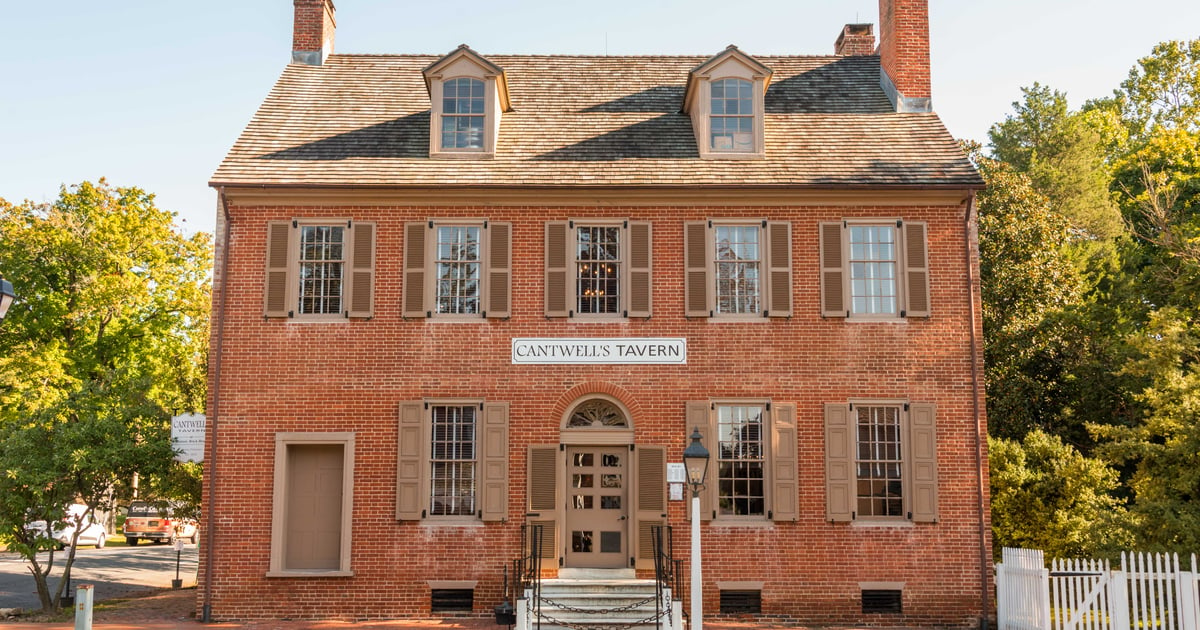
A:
597, 507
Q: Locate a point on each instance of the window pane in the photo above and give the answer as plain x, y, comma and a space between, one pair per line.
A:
598, 269
731, 124
873, 287
321, 267
462, 114
452, 461
738, 263
879, 462
458, 269
740, 455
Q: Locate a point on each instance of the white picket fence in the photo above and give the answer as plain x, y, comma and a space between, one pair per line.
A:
1149, 592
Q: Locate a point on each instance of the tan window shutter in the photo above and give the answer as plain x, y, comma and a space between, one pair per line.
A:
833, 271
413, 293
699, 416
916, 269
639, 269
784, 479
696, 285
922, 462
499, 271
410, 462
275, 293
650, 480
494, 460
558, 275
840, 475
362, 270
779, 269
541, 480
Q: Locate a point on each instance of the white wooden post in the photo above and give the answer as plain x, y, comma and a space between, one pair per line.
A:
1186, 586
83, 607
1118, 592
523, 621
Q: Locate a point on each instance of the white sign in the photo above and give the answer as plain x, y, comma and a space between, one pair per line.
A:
598, 350
187, 437
676, 491
676, 473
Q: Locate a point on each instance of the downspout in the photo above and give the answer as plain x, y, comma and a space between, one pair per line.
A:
214, 416
979, 431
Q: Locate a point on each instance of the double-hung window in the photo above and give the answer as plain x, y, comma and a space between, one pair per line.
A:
452, 460
731, 122
457, 269
463, 114
740, 269
881, 461
725, 98
598, 268
319, 269
752, 472
874, 269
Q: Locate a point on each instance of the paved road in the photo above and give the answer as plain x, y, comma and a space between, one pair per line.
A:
114, 571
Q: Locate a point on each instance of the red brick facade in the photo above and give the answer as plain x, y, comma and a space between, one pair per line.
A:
904, 45
279, 375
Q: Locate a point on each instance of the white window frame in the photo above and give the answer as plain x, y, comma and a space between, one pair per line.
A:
427, 461
481, 116
760, 261
766, 430
901, 407
897, 261
751, 115
279, 503
435, 261
623, 281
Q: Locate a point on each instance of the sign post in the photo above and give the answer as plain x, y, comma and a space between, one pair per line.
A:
177, 583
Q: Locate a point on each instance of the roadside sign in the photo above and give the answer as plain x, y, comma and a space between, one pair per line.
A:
187, 437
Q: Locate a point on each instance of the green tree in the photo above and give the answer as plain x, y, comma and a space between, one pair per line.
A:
1162, 90
107, 339
1048, 496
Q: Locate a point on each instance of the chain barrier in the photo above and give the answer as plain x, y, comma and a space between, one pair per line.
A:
597, 611
582, 626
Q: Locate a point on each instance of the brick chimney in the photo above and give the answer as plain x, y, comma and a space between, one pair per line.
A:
312, 34
904, 53
856, 40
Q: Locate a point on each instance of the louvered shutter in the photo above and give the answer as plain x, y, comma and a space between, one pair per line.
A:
410, 462
779, 269
651, 503
413, 292
275, 291
494, 458
639, 269
922, 462
698, 417
541, 480
499, 271
558, 286
833, 272
784, 480
696, 269
362, 270
840, 475
916, 269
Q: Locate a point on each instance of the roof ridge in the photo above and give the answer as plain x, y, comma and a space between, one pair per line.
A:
596, 56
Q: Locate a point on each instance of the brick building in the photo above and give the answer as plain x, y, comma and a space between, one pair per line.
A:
459, 293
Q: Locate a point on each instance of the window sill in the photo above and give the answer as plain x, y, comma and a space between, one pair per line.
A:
739, 318
438, 523
876, 320
897, 524
731, 155
311, 573
740, 524
461, 155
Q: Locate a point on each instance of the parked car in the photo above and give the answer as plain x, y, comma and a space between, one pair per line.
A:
63, 532
158, 524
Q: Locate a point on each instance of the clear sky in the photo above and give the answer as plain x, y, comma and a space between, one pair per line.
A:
152, 93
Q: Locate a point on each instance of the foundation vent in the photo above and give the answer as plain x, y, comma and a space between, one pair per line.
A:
737, 602
452, 600
882, 601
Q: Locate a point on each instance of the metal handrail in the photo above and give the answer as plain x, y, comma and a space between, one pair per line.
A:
665, 568
527, 570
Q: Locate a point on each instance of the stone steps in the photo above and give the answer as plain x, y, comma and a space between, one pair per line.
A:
619, 599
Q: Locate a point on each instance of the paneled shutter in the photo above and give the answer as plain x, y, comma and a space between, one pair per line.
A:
922, 458
362, 270
784, 480
541, 481
916, 269
558, 277
499, 271
779, 269
840, 475
696, 269
275, 293
413, 293
494, 457
699, 417
410, 462
833, 272
650, 477
639, 269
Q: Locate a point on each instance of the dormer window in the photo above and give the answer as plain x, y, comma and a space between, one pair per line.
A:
724, 98
731, 127
467, 95
463, 114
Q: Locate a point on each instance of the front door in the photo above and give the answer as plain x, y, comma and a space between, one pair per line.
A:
597, 529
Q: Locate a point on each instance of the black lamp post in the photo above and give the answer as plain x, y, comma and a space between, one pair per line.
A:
695, 460
6, 296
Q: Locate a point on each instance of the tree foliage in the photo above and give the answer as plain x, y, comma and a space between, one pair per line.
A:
106, 340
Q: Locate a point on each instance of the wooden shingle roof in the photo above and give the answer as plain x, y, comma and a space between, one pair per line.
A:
363, 120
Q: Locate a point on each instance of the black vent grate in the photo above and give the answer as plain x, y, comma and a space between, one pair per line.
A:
882, 601
452, 600
739, 602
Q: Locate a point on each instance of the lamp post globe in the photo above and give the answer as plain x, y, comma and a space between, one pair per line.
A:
695, 460
6, 296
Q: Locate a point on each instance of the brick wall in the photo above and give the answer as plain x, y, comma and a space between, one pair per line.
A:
280, 375
904, 45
